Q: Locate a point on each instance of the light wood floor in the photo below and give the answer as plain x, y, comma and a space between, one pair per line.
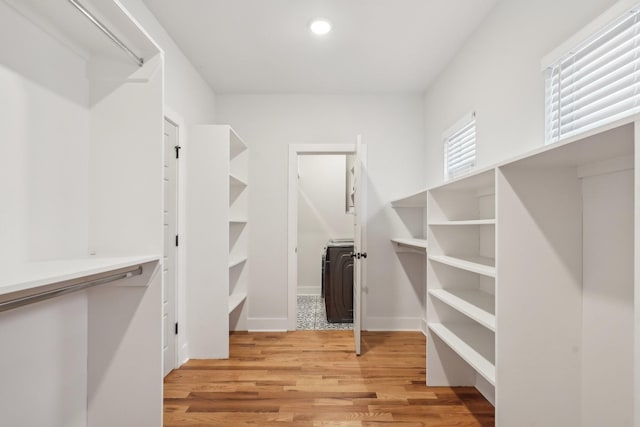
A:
312, 378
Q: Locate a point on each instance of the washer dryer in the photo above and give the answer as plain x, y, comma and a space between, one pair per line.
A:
337, 280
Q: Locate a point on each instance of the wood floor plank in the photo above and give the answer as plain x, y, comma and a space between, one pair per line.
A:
313, 379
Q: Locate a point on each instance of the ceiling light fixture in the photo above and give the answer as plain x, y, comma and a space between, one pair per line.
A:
320, 27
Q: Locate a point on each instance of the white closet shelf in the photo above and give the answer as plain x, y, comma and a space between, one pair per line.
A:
475, 264
237, 221
235, 299
236, 145
465, 222
415, 200
234, 181
475, 304
48, 274
414, 245
465, 340
237, 261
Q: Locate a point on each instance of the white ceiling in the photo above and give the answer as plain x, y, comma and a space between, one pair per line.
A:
265, 46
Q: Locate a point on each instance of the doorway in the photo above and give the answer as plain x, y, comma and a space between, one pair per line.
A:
325, 242
170, 262
358, 195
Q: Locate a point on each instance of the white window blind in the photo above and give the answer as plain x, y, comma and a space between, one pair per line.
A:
460, 147
598, 82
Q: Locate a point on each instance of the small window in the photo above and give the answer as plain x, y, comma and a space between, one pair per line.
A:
460, 147
596, 83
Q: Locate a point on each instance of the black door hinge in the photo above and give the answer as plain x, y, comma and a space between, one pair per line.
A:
177, 148
177, 240
176, 328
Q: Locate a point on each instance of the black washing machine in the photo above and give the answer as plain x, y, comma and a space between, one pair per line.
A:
337, 280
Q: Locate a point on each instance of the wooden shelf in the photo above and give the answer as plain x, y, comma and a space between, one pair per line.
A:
465, 222
477, 305
466, 340
413, 245
475, 264
235, 299
416, 200
234, 181
237, 261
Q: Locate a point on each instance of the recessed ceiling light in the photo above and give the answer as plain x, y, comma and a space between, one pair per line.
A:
320, 27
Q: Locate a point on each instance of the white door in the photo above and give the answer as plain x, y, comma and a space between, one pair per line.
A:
170, 271
359, 250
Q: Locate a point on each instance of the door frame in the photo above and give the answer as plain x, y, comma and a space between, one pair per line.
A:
181, 355
295, 151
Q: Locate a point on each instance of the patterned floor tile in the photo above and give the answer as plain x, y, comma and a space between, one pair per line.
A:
312, 315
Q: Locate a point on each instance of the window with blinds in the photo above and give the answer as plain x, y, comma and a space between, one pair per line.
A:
598, 82
460, 147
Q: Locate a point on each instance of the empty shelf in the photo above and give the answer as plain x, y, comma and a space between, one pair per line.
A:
416, 245
477, 305
237, 221
466, 222
30, 281
236, 182
467, 342
235, 299
416, 200
236, 146
237, 261
475, 264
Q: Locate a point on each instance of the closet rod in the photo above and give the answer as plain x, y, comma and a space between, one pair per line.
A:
76, 285
106, 31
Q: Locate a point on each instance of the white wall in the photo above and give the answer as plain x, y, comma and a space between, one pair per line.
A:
498, 74
188, 101
321, 214
45, 128
392, 128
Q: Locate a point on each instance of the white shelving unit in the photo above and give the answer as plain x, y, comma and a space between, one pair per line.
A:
411, 210
218, 238
532, 282
461, 283
85, 205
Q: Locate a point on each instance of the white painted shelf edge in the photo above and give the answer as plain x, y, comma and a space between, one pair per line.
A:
465, 350
234, 181
420, 244
416, 200
238, 221
235, 299
480, 265
37, 274
477, 305
465, 222
237, 261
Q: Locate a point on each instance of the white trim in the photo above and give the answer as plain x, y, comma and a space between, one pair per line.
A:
296, 150
311, 290
182, 345
265, 324
610, 15
395, 324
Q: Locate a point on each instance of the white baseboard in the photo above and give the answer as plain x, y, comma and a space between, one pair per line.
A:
394, 324
263, 324
309, 290
423, 326
183, 355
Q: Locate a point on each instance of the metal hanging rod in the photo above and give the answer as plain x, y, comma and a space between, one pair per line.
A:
19, 298
107, 32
